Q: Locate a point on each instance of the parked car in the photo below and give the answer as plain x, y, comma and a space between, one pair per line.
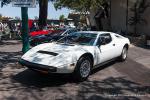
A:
40, 32
53, 36
77, 53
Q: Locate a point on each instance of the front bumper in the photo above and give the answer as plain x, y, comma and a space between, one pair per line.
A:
38, 67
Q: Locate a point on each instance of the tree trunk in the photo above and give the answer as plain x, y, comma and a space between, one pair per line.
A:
92, 20
43, 11
134, 34
87, 20
147, 37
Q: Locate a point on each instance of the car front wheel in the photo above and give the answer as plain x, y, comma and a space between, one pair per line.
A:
83, 69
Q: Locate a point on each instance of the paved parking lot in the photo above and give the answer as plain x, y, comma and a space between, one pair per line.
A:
129, 80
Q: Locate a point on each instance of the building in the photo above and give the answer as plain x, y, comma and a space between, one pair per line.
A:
75, 17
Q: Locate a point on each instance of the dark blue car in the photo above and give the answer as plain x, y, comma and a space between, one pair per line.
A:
51, 37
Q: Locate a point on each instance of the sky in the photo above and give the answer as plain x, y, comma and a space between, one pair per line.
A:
32, 12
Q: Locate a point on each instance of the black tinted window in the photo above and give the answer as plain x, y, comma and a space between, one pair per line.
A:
104, 39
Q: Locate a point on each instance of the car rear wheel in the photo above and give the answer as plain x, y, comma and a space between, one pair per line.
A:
83, 69
123, 56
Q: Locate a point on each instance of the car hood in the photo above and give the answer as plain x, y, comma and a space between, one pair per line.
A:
53, 54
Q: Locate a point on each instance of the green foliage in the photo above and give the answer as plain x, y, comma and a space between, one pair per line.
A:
62, 17
5, 2
78, 5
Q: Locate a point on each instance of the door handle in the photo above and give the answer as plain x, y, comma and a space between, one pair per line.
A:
114, 44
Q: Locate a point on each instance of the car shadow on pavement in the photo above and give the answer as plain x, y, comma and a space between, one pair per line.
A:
30, 78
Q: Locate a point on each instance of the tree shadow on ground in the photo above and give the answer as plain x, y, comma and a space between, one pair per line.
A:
111, 88
9, 57
108, 88
143, 46
4, 43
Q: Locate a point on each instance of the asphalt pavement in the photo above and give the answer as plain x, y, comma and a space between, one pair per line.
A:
129, 80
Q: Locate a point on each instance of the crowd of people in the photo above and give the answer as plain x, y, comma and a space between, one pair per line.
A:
8, 28
3, 27
13, 29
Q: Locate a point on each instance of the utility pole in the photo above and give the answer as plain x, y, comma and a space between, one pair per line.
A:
24, 4
25, 36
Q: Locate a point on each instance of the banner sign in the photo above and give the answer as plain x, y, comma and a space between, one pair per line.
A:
24, 3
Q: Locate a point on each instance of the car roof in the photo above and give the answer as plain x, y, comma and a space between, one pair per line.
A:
66, 28
94, 32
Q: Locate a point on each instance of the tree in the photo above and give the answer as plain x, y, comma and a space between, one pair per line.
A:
5, 2
17, 18
0, 17
36, 18
138, 10
83, 19
62, 18
85, 7
43, 11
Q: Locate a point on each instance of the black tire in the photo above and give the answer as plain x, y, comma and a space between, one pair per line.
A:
124, 53
79, 74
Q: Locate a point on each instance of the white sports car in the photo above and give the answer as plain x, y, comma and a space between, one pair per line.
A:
77, 53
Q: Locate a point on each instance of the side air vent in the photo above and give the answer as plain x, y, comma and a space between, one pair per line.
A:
47, 52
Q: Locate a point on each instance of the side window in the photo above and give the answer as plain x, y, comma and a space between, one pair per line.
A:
104, 39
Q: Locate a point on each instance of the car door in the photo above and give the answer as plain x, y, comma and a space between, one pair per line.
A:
119, 44
106, 47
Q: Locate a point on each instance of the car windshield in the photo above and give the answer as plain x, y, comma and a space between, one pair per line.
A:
79, 38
